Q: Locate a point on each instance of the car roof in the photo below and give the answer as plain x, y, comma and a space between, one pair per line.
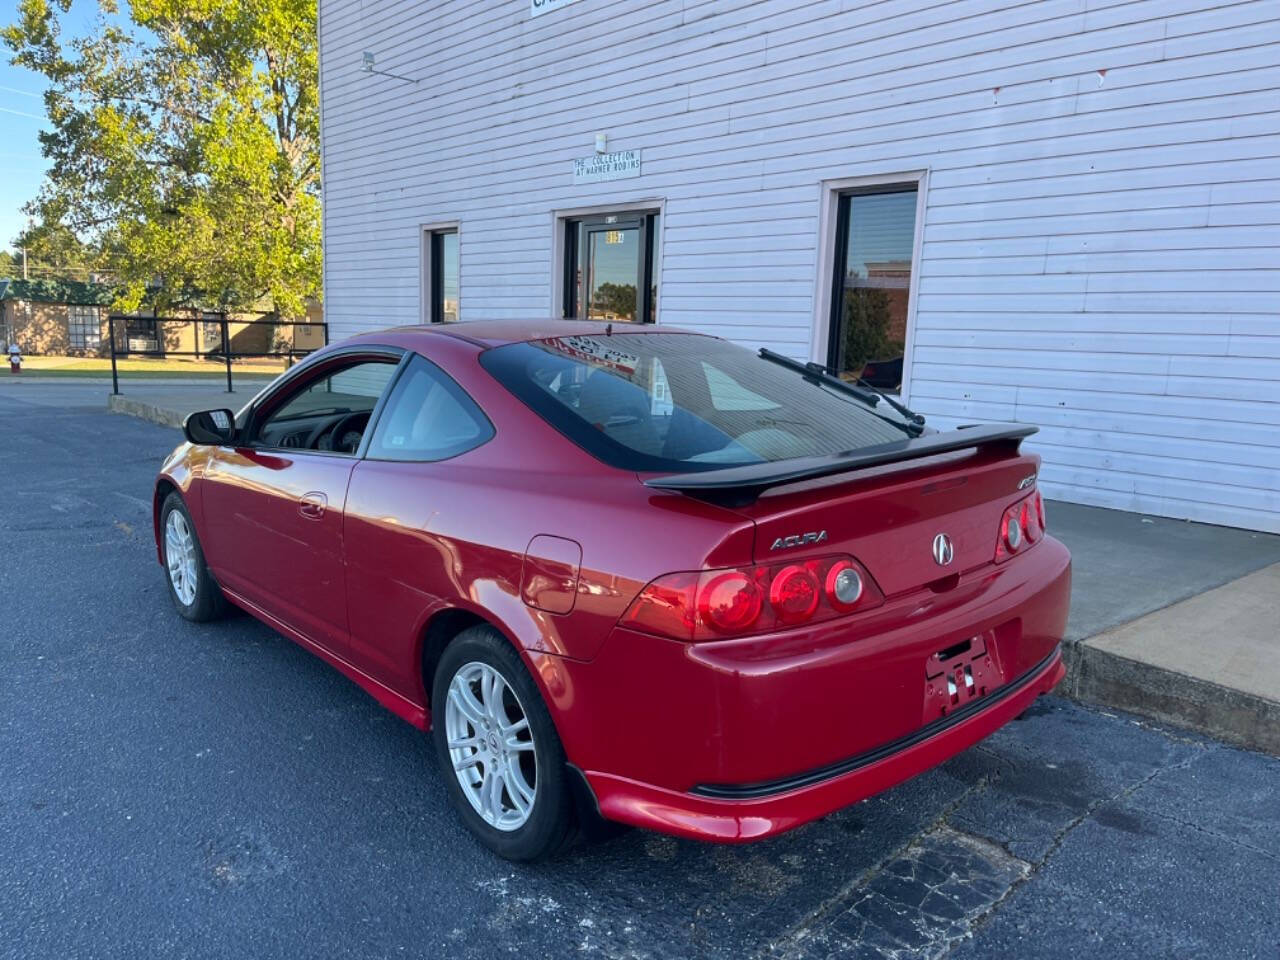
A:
492, 333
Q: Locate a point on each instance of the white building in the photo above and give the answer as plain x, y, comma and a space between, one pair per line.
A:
1065, 212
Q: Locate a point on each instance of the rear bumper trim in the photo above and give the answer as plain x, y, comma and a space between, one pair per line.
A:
752, 791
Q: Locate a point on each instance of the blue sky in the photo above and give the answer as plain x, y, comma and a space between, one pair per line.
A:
21, 118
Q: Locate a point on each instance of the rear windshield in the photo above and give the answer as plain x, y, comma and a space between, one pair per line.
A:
678, 402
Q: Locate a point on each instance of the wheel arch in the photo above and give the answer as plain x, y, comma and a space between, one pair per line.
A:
442, 628
443, 625
164, 487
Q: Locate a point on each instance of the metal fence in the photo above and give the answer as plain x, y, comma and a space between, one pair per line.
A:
213, 336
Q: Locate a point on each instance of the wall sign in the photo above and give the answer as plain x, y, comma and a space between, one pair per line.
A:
538, 7
606, 166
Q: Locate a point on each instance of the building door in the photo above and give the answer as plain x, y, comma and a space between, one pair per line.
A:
610, 272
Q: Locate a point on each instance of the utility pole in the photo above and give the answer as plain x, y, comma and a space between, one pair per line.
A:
26, 255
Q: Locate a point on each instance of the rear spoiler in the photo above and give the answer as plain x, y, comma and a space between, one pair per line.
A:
750, 480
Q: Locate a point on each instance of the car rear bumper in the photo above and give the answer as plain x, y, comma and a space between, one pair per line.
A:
738, 739
775, 808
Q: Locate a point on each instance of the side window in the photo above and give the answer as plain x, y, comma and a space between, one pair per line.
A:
329, 412
428, 417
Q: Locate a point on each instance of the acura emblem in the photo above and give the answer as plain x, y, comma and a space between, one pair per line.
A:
944, 551
799, 540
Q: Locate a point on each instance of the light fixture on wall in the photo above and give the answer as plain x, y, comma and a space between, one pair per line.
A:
602, 143
367, 65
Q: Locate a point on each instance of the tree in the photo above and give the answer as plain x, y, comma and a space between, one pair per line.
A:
615, 300
185, 146
54, 252
10, 266
865, 324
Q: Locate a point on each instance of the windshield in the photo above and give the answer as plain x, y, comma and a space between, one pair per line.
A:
680, 402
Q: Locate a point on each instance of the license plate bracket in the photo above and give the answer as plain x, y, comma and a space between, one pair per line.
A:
957, 675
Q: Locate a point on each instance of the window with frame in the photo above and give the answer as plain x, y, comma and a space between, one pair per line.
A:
427, 417
874, 245
442, 275
329, 412
611, 266
84, 327
142, 335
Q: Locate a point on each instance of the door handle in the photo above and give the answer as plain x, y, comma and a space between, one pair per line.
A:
312, 505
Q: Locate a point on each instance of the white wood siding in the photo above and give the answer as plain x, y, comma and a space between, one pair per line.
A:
1101, 245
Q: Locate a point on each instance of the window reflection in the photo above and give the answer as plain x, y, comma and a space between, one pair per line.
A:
449, 277
611, 267
614, 258
873, 290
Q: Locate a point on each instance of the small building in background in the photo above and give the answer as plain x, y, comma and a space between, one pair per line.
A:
73, 319
60, 317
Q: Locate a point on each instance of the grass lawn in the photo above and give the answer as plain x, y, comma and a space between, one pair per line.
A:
136, 368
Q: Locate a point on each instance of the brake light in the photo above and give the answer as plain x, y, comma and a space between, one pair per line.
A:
731, 601
793, 594
717, 604
1021, 525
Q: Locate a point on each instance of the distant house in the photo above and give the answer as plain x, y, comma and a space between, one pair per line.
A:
68, 318
55, 316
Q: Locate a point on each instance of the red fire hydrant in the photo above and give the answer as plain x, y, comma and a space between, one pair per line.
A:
15, 359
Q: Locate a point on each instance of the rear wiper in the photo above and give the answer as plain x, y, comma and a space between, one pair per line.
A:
916, 418
817, 373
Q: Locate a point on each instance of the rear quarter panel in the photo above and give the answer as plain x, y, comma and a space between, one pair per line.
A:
422, 538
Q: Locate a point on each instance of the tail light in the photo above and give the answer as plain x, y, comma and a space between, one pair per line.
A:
717, 604
1021, 526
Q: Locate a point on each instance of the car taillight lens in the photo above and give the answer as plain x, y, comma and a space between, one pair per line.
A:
793, 594
731, 601
717, 604
1020, 526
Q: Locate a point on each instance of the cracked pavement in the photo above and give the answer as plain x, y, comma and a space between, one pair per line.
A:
214, 791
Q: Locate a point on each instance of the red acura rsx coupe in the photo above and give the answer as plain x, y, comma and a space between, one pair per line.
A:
628, 572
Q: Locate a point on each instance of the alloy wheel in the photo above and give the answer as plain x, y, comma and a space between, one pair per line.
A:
180, 557
491, 746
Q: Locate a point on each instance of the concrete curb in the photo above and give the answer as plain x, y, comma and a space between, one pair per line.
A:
144, 411
1106, 679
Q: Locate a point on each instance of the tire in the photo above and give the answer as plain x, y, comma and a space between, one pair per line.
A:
531, 756
194, 592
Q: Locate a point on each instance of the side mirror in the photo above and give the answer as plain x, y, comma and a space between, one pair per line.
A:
216, 427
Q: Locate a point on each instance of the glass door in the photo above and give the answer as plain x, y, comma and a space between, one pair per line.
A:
610, 272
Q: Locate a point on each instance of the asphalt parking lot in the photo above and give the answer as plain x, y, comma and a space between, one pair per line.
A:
179, 790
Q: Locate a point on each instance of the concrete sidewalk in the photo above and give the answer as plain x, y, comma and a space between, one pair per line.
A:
1171, 620
1175, 621
161, 400
1211, 663
170, 404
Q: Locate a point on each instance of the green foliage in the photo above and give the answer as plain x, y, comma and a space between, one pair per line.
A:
185, 147
54, 252
10, 265
615, 299
865, 325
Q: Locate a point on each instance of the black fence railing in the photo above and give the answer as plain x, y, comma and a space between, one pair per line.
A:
211, 337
